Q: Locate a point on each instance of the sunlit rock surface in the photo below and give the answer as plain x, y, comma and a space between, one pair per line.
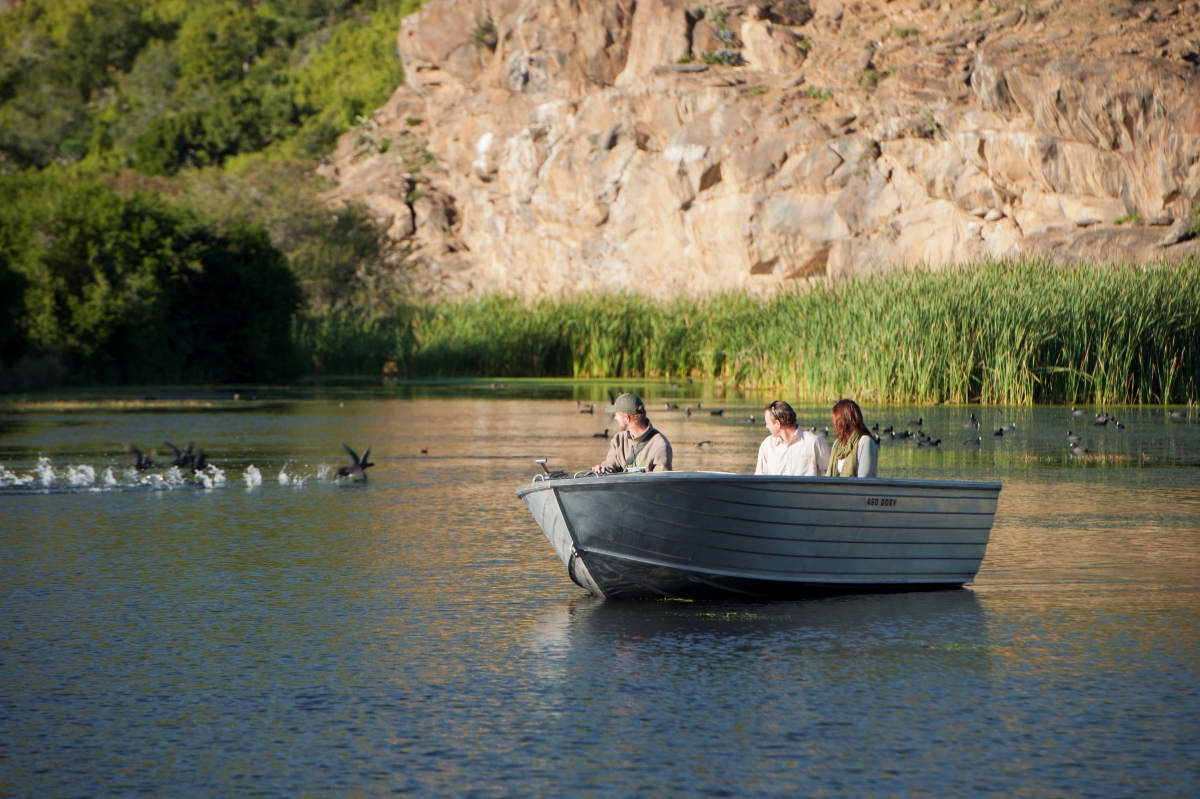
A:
583, 146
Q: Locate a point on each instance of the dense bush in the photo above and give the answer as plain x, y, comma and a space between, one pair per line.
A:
136, 289
12, 296
164, 84
340, 257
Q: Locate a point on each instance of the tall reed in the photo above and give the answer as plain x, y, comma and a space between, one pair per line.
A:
1012, 332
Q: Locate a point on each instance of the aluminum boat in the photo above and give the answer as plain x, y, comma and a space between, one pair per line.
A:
705, 534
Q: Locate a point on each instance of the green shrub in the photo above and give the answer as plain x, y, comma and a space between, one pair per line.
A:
725, 57
338, 256
929, 124
353, 73
484, 35
136, 289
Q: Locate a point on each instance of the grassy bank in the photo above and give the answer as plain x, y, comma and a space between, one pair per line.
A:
1005, 332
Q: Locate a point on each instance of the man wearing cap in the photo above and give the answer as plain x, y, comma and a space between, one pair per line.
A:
638, 443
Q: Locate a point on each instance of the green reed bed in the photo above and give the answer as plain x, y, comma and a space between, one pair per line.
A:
1002, 332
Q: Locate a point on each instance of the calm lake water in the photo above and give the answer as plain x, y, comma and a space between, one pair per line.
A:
417, 633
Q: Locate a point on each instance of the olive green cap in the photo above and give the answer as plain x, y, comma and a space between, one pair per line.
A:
627, 403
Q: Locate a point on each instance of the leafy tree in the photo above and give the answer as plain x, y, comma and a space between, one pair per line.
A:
339, 256
12, 301
135, 289
121, 284
167, 84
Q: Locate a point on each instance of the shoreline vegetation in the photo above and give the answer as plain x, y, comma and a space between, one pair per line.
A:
1015, 332
1003, 332
161, 223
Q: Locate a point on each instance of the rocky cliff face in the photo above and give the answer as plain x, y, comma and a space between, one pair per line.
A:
542, 147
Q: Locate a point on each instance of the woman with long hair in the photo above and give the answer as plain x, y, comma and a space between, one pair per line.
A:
856, 452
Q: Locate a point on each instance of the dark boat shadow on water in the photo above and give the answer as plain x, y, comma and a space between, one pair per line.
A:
946, 621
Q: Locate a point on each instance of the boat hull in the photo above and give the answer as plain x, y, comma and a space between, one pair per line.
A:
696, 535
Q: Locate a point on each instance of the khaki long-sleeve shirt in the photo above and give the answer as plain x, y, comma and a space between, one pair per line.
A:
655, 456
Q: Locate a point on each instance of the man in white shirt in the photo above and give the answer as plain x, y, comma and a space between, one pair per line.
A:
790, 450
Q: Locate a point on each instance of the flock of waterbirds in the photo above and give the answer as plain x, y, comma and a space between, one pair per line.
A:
892, 434
191, 465
184, 468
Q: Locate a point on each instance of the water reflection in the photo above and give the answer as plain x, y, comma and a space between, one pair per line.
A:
737, 635
417, 633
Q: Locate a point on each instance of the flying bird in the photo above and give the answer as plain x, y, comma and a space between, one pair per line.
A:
183, 459
358, 471
141, 461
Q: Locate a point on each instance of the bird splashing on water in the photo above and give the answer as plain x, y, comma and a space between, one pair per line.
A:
185, 459
141, 460
357, 471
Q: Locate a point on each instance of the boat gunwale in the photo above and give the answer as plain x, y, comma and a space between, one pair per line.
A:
590, 483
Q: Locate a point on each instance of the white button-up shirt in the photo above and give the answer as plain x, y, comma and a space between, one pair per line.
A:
806, 454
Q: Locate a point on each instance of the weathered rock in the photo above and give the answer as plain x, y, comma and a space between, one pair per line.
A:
1175, 234
771, 48
573, 152
659, 36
